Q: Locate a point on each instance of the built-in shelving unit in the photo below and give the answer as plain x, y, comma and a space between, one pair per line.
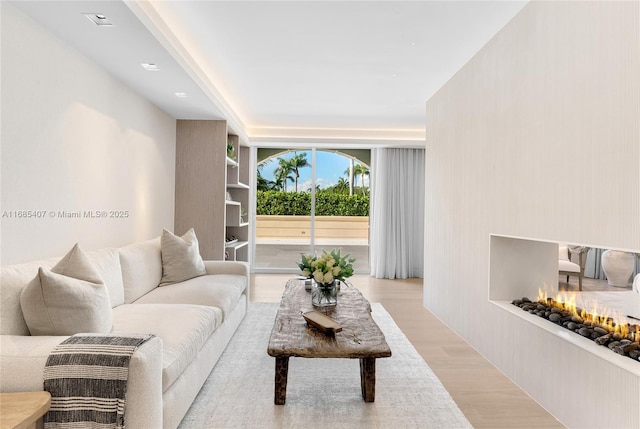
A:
237, 225
212, 191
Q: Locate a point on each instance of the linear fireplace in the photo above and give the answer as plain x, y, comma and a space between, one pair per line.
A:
618, 334
537, 350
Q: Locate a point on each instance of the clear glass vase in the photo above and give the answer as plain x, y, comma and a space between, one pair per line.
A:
324, 294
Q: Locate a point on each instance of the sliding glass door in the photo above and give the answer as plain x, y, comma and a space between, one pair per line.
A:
309, 200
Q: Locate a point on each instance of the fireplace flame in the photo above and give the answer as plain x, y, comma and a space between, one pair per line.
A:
600, 316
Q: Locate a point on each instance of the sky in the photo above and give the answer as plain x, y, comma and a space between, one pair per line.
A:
330, 167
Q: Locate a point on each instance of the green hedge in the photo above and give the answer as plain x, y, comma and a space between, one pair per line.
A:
327, 204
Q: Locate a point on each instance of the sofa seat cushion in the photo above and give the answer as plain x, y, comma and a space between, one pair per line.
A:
220, 290
183, 329
568, 266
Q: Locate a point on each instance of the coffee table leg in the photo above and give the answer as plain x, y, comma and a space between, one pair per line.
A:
368, 379
282, 369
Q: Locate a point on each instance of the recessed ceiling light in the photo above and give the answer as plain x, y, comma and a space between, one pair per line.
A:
181, 94
150, 66
99, 19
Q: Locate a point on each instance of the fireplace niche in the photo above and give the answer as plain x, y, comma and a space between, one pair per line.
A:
534, 349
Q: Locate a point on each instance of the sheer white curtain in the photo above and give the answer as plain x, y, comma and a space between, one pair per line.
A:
397, 213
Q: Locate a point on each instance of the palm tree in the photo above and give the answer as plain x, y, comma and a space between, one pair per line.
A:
265, 184
342, 187
360, 170
283, 173
298, 161
318, 189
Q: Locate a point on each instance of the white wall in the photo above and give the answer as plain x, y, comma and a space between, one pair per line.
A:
537, 136
74, 138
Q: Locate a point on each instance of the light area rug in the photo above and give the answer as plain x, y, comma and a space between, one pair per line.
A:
320, 392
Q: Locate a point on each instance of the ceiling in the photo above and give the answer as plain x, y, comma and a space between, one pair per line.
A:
286, 71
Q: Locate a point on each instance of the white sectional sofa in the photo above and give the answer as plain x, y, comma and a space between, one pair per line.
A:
193, 322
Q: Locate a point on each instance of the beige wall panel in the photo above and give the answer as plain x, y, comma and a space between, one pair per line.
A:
537, 136
200, 183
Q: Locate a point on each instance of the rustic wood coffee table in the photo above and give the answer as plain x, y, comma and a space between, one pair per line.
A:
360, 337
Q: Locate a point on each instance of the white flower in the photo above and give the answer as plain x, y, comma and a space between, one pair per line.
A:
327, 267
328, 278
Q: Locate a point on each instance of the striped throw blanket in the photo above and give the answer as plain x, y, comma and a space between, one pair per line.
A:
87, 376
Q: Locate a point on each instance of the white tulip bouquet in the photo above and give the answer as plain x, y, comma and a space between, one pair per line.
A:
328, 267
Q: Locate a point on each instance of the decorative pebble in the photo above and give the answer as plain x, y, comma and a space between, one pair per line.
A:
554, 317
603, 340
624, 349
585, 332
600, 330
572, 326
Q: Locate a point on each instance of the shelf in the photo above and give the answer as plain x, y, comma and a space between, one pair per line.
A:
237, 186
230, 243
232, 162
238, 225
236, 244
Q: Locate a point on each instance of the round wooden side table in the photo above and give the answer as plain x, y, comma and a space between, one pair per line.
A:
21, 410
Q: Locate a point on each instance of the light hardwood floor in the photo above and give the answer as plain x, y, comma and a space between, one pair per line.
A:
486, 397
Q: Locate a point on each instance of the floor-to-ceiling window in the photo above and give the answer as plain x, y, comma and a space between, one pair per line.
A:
309, 200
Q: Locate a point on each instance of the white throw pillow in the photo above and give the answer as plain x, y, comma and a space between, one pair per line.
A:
68, 299
181, 258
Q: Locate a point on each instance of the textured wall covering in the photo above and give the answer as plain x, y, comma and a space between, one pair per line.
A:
76, 140
537, 136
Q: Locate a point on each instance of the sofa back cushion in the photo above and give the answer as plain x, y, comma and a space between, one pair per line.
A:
563, 253
13, 279
107, 264
141, 268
